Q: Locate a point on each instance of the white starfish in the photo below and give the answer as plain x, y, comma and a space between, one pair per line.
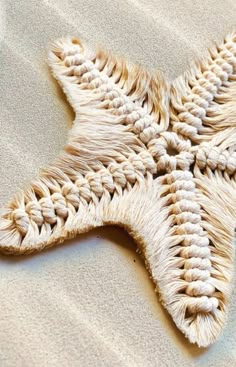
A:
159, 161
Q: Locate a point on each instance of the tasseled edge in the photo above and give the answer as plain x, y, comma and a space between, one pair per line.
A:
98, 72
203, 100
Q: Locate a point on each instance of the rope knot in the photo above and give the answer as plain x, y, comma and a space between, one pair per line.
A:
95, 183
60, 204
33, 208
48, 211
21, 220
84, 188
71, 193
117, 174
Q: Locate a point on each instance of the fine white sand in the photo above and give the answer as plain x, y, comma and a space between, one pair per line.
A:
89, 302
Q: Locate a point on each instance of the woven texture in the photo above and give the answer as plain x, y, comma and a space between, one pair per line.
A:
156, 159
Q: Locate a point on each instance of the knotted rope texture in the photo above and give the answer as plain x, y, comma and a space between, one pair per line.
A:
158, 159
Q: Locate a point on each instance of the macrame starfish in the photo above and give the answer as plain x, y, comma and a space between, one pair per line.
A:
159, 161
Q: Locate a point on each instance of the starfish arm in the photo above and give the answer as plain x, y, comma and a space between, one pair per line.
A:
119, 109
203, 100
196, 281
98, 80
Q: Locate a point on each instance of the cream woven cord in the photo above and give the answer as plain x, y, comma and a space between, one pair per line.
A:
157, 159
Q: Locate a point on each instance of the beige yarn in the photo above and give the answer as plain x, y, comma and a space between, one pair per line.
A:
156, 159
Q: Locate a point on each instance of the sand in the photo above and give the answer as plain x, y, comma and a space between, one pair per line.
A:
89, 302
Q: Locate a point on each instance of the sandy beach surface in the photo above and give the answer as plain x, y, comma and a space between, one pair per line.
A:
90, 302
